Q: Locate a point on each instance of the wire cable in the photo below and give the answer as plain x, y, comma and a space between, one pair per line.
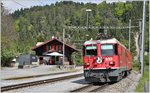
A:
19, 3
41, 2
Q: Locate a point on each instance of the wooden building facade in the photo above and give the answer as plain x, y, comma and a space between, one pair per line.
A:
53, 51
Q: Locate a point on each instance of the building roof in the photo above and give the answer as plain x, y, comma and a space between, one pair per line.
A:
54, 54
48, 41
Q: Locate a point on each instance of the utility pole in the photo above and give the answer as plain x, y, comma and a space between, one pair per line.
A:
87, 24
129, 33
140, 39
143, 30
63, 46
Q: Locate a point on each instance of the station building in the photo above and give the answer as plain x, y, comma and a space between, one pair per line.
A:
51, 51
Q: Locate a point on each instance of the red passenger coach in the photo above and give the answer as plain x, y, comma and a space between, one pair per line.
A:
106, 60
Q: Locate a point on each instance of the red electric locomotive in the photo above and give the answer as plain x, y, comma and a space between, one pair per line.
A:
106, 60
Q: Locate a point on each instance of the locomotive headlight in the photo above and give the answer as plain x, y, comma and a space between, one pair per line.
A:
99, 60
111, 63
87, 64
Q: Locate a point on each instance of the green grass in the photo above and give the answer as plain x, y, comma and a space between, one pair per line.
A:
145, 78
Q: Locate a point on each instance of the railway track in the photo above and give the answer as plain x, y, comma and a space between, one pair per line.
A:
26, 77
23, 85
90, 88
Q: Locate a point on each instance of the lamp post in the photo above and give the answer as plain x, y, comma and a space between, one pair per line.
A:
129, 32
63, 46
143, 30
87, 36
88, 10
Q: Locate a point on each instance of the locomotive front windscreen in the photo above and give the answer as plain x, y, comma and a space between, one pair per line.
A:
107, 50
91, 51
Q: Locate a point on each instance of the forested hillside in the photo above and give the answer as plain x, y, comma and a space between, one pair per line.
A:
40, 23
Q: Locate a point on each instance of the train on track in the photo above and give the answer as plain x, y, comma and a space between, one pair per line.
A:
106, 60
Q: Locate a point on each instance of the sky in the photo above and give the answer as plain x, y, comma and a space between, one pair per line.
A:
13, 5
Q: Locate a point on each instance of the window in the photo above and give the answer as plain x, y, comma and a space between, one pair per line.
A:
59, 48
107, 50
50, 47
55, 47
91, 50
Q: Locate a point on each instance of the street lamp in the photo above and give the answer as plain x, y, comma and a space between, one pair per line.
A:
87, 36
143, 30
129, 33
88, 10
63, 46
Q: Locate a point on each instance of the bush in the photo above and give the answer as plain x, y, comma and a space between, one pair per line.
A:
146, 59
6, 57
79, 62
136, 65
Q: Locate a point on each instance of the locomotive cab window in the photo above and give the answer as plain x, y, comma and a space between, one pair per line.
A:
107, 49
91, 50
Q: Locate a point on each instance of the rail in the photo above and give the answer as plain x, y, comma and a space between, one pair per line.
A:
22, 85
90, 88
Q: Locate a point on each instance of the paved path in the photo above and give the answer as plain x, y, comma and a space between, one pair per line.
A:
44, 69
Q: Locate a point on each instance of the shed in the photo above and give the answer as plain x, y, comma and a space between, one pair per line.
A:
26, 60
